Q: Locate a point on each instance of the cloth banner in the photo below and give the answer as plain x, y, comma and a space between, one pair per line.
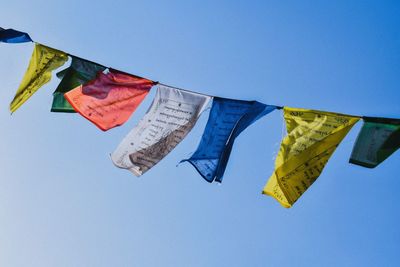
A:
171, 117
378, 139
43, 61
228, 118
80, 72
110, 99
311, 140
14, 36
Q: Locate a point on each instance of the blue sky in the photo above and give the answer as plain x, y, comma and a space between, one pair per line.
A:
63, 203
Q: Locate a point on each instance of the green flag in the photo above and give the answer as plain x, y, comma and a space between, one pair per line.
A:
81, 71
377, 140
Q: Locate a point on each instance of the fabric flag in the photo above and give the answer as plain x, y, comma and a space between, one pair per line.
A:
13, 36
228, 118
43, 61
110, 99
80, 72
311, 140
378, 139
171, 117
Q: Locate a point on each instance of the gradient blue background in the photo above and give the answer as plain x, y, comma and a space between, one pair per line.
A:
63, 203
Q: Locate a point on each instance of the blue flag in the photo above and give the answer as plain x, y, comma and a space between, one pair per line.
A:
228, 118
13, 36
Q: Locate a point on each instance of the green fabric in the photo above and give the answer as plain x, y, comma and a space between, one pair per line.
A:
80, 72
378, 139
62, 73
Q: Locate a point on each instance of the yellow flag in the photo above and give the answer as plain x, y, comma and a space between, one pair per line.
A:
311, 140
43, 61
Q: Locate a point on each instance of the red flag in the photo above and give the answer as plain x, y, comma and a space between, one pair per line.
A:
110, 99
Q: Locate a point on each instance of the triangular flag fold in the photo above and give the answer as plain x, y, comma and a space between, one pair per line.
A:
43, 61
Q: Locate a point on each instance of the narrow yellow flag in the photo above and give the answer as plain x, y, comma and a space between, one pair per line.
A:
43, 61
311, 140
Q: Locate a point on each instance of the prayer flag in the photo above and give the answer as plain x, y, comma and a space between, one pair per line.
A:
311, 140
110, 99
378, 139
14, 36
171, 117
80, 72
43, 61
228, 118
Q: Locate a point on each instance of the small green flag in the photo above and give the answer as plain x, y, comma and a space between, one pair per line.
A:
81, 71
377, 140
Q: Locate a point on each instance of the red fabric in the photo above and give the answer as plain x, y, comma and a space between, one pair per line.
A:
110, 99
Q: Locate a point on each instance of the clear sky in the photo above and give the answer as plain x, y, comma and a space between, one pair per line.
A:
63, 203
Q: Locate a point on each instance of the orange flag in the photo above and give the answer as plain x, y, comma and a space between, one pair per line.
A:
110, 99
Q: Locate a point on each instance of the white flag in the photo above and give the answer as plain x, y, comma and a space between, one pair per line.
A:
170, 118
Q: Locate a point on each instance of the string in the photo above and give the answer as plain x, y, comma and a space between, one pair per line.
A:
277, 145
157, 82
185, 90
95, 63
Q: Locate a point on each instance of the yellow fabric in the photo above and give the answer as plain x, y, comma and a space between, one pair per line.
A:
311, 140
43, 61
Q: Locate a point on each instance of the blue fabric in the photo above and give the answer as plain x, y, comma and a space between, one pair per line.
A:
228, 118
13, 36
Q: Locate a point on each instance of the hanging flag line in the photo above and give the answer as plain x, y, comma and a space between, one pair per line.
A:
92, 62
185, 90
154, 82
108, 97
127, 73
